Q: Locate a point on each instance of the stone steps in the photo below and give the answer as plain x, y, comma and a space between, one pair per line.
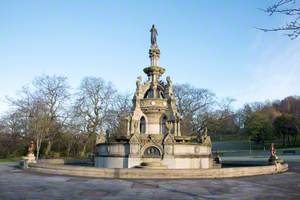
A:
152, 165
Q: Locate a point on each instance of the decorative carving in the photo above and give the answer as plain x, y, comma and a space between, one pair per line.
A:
153, 103
169, 127
169, 139
134, 139
197, 149
146, 139
168, 150
152, 152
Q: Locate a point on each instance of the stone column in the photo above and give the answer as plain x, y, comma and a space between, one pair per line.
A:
154, 54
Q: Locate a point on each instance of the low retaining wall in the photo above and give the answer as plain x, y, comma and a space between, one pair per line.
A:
61, 161
135, 173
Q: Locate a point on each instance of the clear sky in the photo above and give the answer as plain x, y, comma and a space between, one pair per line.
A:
209, 44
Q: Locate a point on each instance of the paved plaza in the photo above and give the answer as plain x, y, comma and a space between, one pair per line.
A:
17, 184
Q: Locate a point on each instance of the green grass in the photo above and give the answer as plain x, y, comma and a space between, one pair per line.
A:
287, 159
233, 137
7, 160
237, 145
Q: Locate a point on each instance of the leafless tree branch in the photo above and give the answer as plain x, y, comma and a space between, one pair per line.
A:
288, 8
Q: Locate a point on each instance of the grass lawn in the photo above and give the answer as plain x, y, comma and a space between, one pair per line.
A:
233, 137
7, 160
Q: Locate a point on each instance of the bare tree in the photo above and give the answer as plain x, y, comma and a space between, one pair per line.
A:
30, 119
92, 106
222, 120
45, 97
13, 132
40, 123
288, 8
192, 104
121, 107
53, 91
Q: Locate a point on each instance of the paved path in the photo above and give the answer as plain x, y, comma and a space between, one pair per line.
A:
17, 184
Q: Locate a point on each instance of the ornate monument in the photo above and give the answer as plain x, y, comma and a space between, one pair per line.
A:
152, 136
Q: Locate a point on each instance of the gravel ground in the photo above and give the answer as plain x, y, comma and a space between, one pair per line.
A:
17, 184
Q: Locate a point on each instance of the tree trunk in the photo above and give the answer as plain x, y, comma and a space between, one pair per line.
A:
48, 149
38, 147
68, 149
82, 153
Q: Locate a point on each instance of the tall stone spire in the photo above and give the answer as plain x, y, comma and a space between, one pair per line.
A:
154, 71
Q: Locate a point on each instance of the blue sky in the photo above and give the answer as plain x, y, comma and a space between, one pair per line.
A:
209, 44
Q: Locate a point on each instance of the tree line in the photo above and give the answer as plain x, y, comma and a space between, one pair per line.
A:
65, 124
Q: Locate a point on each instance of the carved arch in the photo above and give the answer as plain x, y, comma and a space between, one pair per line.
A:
148, 146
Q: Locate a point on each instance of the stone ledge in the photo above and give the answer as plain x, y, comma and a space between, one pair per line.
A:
135, 173
192, 156
61, 161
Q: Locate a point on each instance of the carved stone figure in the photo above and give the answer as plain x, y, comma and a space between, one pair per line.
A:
31, 147
205, 138
138, 82
135, 126
30, 158
153, 36
273, 150
169, 86
169, 81
273, 156
101, 137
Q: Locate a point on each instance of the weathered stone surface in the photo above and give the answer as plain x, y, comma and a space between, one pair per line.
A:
149, 173
15, 186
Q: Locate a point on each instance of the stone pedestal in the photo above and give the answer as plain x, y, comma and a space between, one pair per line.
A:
30, 158
149, 153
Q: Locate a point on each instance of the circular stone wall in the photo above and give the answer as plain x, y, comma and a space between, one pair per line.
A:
135, 173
